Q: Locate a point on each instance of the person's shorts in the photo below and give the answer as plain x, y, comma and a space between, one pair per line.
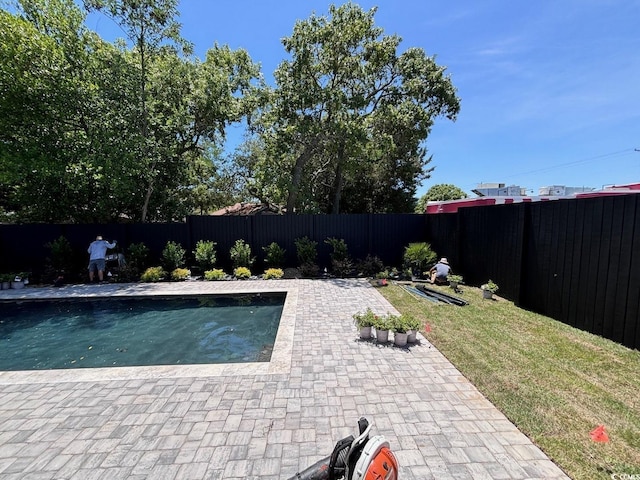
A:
97, 264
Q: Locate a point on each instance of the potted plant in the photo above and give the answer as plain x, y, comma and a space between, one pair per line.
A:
364, 322
488, 289
17, 282
399, 327
382, 325
413, 325
454, 280
5, 280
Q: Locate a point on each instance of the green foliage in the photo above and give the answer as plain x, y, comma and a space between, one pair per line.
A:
274, 255
241, 255
341, 263
273, 273
411, 322
173, 256
455, 279
490, 286
398, 323
61, 257
306, 250
205, 254
366, 319
418, 256
137, 256
383, 322
180, 274
241, 272
153, 274
91, 131
371, 266
349, 116
214, 274
437, 193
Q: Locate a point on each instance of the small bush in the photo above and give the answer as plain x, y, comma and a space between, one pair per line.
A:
153, 274
418, 257
137, 258
180, 274
371, 266
205, 254
241, 272
214, 274
241, 255
341, 264
274, 255
61, 254
306, 251
272, 273
309, 270
173, 256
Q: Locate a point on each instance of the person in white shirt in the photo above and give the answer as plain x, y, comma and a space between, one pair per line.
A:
97, 253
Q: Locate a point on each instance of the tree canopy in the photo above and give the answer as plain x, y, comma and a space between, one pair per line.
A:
92, 131
345, 126
438, 193
95, 132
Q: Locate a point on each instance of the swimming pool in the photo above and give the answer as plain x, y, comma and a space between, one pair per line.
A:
139, 331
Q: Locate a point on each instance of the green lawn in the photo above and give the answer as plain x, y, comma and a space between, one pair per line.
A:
554, 382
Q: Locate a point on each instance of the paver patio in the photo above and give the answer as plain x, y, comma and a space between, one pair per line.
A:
259, 420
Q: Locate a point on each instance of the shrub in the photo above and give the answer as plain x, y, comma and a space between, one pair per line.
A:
241, 272
398, 323
214, 274
153, 274
137, 256
180, 274
341, 264
455, 279
411, 322
61, 254
371, 266
205, 254
306, 250
273, 273
173, 256
274, 255
241, 255
418, 256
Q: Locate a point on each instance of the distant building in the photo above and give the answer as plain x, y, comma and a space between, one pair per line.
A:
563, 191
499, 190
499, 194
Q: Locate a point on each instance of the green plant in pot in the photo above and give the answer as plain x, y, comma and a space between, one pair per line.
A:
399, 327
418, 256
413, 325
364, 322
454, 280
488, 289
383, 324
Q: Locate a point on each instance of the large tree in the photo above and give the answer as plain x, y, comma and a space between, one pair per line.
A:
439, 192
349, 111
90, 131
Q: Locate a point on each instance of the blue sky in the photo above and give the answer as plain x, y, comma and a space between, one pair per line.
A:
550, 90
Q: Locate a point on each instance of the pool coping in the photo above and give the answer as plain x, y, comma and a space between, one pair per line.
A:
280, 362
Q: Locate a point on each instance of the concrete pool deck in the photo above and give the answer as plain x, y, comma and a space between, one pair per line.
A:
258, 420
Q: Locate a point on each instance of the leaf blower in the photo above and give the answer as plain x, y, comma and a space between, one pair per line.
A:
360, 458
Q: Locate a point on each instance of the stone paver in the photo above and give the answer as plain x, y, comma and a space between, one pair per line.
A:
267, 420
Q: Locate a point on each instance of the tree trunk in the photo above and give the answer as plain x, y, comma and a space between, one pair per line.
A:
296, 179
338, 183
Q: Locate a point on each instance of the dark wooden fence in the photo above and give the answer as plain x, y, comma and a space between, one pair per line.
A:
577, 261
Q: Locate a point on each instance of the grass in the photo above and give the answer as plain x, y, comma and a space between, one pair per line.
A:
554, 382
